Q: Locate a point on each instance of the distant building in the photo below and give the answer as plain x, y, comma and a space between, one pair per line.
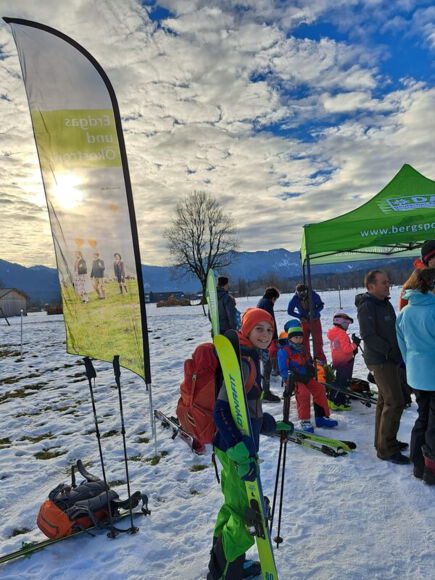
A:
12, 301
159, 296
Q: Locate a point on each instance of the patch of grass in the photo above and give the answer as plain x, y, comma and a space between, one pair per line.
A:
47, 454
20, 394
5, 353
61, 409
194, 492
110, 433
143, 440
109, 320
198, 467
36, 386
10, 380
153, 460
135, 458
19, 531
37, 438
156, 459
5, 441
116, 482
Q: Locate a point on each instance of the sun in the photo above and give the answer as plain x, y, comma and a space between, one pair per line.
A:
66, 191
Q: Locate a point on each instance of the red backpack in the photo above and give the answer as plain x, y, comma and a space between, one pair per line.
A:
198, 393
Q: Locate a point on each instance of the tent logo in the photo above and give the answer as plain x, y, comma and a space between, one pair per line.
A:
407, 203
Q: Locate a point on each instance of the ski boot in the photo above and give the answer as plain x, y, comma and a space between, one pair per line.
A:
307, 426
325, 422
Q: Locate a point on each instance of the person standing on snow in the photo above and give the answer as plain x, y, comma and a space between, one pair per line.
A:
427, 261
267, 303
377, 322
416, 336
238, 454
293, 357
299, 308
343, 352
226, 306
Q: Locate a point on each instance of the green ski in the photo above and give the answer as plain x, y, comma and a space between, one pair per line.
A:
212, 301
230, 364
347, 446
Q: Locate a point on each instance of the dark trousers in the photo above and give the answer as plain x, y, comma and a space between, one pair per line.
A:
423, 431
389, 408
343, 375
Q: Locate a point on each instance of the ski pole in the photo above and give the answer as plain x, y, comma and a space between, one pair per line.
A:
289, 387
91, 374
117, 372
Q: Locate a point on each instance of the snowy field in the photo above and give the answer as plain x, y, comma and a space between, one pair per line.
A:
353, 517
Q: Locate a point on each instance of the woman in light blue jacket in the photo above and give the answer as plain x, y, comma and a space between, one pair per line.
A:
415, 327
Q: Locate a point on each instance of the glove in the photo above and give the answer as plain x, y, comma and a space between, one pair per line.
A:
285, 426
246, 464
356, 339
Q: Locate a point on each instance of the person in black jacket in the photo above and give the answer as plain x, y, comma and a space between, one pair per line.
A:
270, 296
226, 306
377, 321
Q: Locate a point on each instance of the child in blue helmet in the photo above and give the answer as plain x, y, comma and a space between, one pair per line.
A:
292, 357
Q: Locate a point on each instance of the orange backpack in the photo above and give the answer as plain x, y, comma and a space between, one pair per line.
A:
69, 509
202, 377
198, 393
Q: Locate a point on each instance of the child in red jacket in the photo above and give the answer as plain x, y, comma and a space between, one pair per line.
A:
292, 357
343, 352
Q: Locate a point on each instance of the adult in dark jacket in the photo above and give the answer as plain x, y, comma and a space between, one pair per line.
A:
377, 322
270, 296
226, 306
299, 308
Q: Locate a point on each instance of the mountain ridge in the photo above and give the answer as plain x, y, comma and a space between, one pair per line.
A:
41, 283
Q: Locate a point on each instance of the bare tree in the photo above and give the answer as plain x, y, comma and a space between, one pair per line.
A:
201, 236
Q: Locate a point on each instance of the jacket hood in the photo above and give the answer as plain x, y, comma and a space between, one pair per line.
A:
334, 332
361, 298
417, 298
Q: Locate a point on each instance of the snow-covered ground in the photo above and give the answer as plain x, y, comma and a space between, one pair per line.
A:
353, 517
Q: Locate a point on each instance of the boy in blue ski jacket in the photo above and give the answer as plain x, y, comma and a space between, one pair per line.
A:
293, 357
238, 453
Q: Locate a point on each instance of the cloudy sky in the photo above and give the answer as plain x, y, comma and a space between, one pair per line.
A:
289, 112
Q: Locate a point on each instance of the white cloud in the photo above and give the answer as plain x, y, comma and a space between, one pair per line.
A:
196, 96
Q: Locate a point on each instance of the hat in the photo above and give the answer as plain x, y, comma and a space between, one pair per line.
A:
253, 316
342, 319
222, 281
294, 328
427, 251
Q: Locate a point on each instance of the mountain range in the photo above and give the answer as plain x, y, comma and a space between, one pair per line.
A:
42, 286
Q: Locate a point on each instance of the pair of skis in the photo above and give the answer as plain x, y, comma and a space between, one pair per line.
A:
367, 398
325, 445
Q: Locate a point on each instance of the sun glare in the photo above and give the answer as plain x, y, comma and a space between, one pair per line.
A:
66, 192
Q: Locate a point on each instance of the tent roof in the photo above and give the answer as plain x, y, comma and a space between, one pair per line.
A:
395, 221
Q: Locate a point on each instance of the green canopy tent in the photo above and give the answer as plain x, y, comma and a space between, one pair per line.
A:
394, 222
